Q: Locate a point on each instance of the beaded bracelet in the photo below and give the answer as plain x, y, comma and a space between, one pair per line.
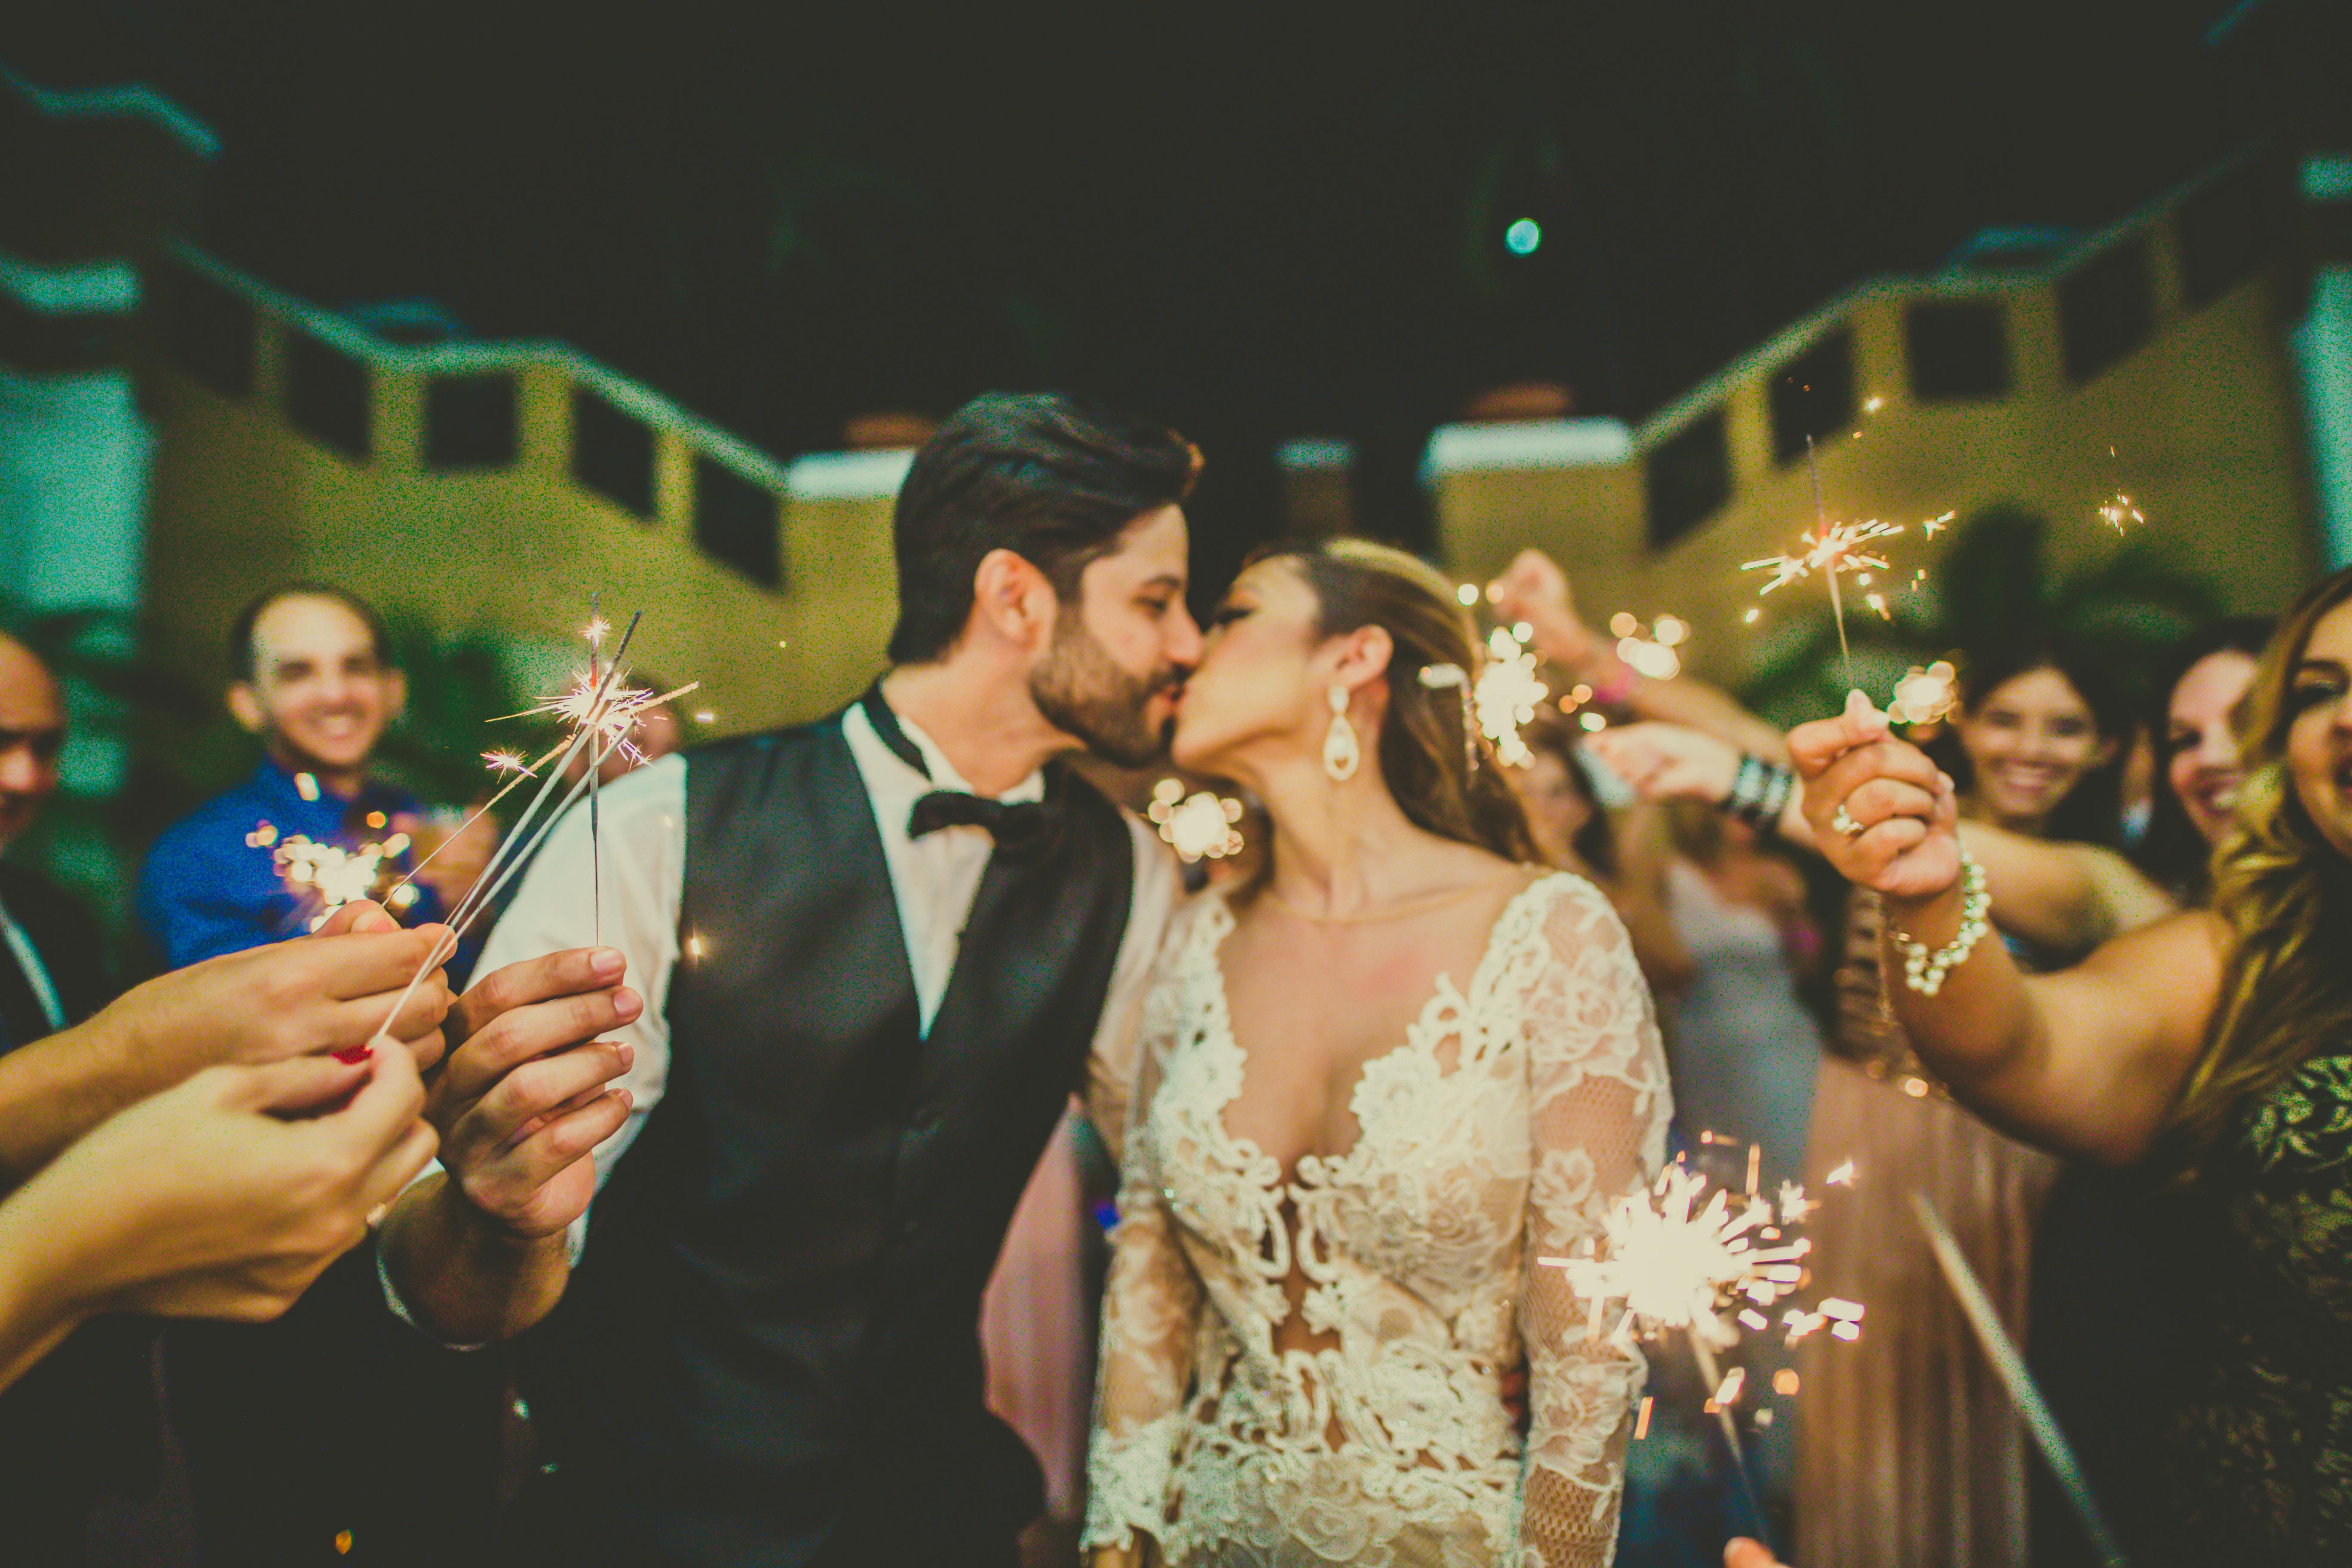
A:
1924, 971
1759, 790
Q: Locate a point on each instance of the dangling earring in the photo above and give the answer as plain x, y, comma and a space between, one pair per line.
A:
1340, 753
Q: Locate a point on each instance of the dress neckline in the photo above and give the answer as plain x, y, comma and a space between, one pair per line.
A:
1248, 1155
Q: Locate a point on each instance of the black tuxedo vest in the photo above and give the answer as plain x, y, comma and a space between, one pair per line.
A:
769, 1352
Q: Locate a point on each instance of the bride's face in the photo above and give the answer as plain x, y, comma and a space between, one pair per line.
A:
1263, 677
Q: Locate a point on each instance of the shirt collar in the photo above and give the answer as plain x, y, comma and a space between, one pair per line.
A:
943, 774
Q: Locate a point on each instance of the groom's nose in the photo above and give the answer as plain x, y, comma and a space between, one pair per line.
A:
1184, 637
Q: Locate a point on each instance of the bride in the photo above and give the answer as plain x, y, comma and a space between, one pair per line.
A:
1377, 1084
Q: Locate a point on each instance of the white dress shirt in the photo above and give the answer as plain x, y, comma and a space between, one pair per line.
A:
934, 880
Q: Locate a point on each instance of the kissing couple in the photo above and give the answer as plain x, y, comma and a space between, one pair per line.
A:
1354, 1100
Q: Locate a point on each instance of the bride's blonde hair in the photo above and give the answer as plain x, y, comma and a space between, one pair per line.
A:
1429, 738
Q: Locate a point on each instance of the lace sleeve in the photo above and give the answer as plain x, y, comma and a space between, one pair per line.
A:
1151, 1305
1599, 1107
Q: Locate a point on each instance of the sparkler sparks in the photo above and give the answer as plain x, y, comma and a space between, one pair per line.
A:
1199, 826
1678, 1262
1507, 694
1926, 696
2119, 511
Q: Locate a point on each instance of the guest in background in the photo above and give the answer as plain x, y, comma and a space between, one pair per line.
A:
2107, 1325
1623, 854
314, 682
52, 954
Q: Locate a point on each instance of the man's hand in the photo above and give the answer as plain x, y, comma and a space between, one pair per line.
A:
479, 1254
225, 1197
524, 1096
1899, 834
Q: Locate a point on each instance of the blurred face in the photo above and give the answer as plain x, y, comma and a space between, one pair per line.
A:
2320, 735
1557, 809
321, 694
32, 734
2029, 740
1117, 659
1260, 681
2202, 741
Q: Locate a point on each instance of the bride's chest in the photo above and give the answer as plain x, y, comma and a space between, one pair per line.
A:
1422, 1161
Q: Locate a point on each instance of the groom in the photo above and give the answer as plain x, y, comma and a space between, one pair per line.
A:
874, 950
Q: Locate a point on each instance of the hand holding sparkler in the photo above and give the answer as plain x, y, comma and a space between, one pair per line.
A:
1883, 815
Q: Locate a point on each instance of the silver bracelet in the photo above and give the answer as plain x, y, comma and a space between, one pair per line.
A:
1924, 971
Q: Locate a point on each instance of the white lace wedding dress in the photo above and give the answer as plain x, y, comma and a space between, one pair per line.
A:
1493, 1134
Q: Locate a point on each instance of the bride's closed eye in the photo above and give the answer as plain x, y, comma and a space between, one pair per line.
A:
1226, 614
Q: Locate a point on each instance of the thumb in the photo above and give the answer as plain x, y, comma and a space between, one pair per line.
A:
1742, 1553
1860, 709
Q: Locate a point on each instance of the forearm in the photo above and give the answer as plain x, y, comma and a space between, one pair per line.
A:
59, 1087
1980, 1031
36, 1306
462, 1280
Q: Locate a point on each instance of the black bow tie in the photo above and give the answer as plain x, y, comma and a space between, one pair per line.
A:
1020, 827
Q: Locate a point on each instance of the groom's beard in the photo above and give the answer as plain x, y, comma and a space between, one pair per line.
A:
1082, 692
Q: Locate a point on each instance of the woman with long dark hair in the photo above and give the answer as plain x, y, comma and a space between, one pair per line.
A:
2220, 1040
1380, 1082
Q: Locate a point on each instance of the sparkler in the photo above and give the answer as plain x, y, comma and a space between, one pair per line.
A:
2001, 1351
1507, 694
1702, 1266
603, 721
1197, 826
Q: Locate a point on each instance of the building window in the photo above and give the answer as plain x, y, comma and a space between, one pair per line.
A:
2104, 310
209, 331
1812, 395
469, 421
612, 453
737, 521
1958, 350
1688, 476
327, 395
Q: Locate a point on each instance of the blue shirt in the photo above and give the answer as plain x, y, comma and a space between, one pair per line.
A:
214, 882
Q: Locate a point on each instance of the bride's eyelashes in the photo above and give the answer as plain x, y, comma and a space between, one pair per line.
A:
1226, 614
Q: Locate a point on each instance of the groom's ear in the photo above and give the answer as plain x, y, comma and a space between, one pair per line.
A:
1012, 602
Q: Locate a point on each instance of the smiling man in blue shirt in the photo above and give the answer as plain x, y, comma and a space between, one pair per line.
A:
313, 680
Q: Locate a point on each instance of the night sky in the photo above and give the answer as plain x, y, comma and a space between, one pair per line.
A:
1260, 221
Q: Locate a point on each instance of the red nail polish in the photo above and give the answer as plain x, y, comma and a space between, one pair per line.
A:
351, 1055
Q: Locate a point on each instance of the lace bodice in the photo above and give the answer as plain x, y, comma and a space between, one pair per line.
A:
1495, 1132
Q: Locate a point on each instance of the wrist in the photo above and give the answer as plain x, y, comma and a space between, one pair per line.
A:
482, 1236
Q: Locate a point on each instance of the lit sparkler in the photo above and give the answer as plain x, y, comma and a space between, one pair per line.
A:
1832, 550
1926, 696
2118, 511
1200, 826
1507, 694
1678, 1257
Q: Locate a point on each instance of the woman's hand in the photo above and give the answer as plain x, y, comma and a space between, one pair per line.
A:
1114, 1557
1880, 812
1667, 762
1535, 590
225, 1197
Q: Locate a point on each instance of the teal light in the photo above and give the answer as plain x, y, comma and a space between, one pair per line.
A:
1523, 237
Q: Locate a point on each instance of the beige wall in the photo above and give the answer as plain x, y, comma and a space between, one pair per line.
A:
242, 500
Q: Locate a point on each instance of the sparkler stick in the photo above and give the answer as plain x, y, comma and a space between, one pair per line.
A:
1705, 1355
596, 629
2022, 1392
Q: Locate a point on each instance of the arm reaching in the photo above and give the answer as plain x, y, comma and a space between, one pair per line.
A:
313, 996
2086, 1061
1598, 1117
1535, 590
1151, 1312
223, 1197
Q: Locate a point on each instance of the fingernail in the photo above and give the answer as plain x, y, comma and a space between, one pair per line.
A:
627, 1002
628, 1055
351, 1055
606, 963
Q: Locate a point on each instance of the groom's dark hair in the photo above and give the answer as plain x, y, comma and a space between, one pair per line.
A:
1050, 477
